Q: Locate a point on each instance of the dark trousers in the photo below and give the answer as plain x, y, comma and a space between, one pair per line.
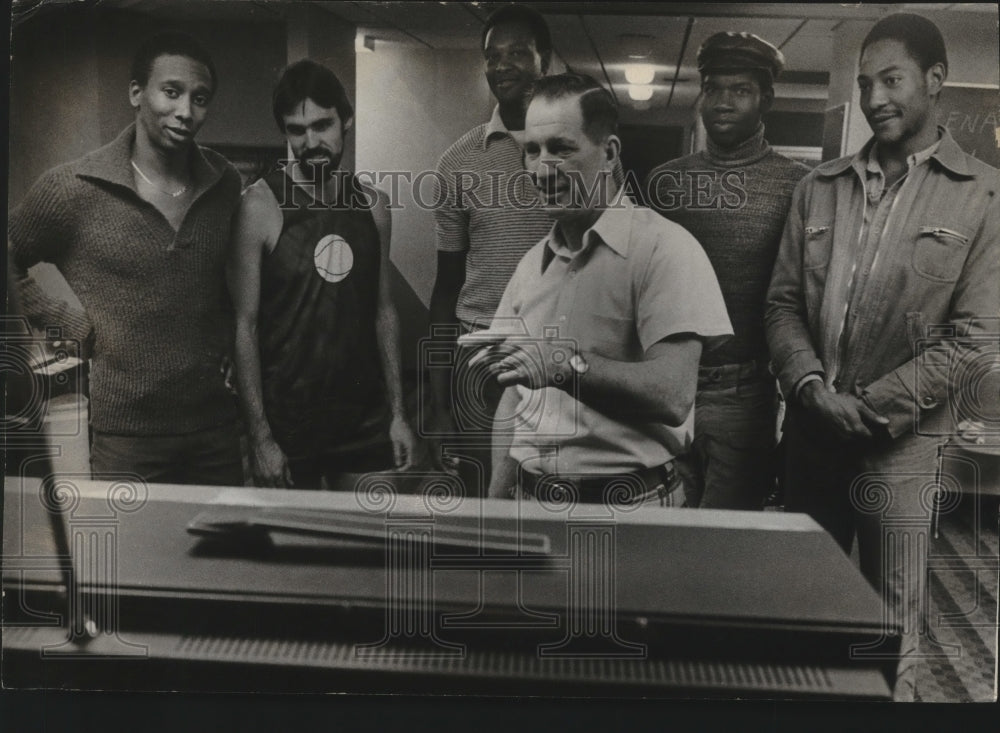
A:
311, 472
475, 398
731, 464
882, 492
210, 457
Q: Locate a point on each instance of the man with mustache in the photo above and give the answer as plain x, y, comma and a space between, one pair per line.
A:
598, 334
887, 273
733, 197
139, 229
317, 335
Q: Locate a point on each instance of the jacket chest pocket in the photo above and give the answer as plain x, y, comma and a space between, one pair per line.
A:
818, 244
940, 252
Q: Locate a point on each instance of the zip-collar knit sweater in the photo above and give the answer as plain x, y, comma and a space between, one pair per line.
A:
735, 203
155, 301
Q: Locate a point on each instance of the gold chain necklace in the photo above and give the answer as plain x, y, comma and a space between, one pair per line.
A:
143, 176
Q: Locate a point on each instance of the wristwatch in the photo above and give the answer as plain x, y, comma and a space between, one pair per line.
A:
578, 364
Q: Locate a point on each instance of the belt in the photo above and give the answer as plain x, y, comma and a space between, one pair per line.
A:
725, 376
661, 485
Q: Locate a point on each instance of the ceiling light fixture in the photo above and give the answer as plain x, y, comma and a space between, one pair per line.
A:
639, 73
640, 92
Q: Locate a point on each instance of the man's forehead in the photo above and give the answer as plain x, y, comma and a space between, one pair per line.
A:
550, 118
885, 54
504, 34
308, 111
733, 76
180, 67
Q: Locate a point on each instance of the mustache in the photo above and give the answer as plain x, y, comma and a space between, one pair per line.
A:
316, 153
556, 179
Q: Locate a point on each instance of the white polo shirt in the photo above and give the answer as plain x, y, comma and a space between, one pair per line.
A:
638, 279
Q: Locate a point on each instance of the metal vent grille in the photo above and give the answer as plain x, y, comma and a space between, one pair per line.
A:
276, 651
512, 665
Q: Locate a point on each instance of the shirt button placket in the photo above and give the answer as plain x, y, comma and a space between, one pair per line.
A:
566, 300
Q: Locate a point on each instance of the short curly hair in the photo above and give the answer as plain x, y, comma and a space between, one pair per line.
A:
169, 43
922, 39
526, 16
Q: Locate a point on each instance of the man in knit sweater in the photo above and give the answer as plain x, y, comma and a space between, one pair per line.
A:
139, 229
733, 198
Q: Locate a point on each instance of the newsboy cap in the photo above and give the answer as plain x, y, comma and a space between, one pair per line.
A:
739, 51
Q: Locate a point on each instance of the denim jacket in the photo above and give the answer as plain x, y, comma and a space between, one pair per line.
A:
930, 313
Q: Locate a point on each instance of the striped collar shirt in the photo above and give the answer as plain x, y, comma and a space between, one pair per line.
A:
487, 208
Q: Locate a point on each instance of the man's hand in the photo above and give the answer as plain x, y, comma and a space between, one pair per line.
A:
406, 449
533, 364
269, 464
846, 415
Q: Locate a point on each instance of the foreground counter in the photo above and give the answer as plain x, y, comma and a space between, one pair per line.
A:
202, 588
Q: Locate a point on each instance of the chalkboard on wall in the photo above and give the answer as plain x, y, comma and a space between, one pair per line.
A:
972, 116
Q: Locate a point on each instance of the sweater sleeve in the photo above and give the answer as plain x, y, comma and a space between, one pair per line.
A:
40, 231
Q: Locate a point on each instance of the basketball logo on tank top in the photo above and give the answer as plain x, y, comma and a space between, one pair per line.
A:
333, 258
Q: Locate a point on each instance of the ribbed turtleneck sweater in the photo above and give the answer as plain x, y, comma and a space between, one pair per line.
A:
734, 201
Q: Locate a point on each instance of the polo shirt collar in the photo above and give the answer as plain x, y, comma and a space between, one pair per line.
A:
495, 128
112, 163
613, 228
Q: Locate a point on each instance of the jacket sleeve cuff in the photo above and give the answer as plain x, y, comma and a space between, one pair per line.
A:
891, 397
795, 368
813, 377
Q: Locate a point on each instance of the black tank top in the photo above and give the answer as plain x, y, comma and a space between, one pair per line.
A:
323, 386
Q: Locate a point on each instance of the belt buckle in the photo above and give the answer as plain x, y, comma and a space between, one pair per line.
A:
669, 483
